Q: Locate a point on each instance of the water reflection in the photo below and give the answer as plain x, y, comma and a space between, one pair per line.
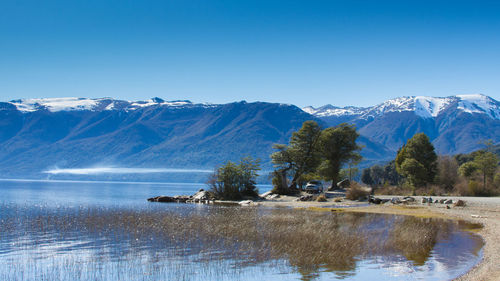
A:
215, 242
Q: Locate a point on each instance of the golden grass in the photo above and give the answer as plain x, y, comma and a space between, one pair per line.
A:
414, 239
331, 239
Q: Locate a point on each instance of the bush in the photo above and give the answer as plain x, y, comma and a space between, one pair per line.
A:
433, 190
321, 198
462, 187
232, 181
356, 192
393, 190
476, 189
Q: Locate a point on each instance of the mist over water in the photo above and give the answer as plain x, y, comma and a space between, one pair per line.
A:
120, 170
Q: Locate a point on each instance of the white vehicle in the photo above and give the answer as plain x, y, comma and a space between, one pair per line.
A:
314, 187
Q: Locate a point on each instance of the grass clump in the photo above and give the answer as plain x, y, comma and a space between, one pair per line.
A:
460, 203
356, 192
321, 198
414, 238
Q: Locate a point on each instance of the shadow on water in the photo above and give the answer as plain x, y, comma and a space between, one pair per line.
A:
225, 243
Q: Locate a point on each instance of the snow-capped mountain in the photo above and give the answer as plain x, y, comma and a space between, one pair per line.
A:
456, 124
39, 134
75, 104
425, 107
330, 110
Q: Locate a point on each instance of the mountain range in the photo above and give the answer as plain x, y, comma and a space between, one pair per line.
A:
456, 124
41, 134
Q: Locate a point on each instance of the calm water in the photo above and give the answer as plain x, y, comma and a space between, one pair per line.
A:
108, 231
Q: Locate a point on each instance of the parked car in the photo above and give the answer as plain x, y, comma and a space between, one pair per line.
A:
314, 187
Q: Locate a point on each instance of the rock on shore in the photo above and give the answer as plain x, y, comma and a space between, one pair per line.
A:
201, 196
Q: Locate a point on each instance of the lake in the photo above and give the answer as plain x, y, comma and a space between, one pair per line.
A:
108, 231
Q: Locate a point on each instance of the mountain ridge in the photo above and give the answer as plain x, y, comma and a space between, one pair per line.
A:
40, 134
455, 124
424, 106
83, 133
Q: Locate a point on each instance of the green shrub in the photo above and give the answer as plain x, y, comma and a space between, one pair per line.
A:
232, 181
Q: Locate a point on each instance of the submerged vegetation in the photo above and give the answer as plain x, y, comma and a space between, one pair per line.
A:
307, 241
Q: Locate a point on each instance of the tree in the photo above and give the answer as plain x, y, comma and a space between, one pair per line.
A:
391, 175
231, 181
248, 175
447, 172
301, 156
366, 176
486, 163
414, 172
496, 179
338, 146
351, 170
377, 174
467, 169
352, 166
416, 161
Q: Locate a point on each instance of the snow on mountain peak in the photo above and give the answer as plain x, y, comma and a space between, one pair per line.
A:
429, 106
330, 110
75, 104
479, 104
423, 106
55, 104
158, 101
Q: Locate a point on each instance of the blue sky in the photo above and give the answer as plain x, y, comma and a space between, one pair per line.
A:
300, 52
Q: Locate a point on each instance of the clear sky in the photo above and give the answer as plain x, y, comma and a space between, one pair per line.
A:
307, 52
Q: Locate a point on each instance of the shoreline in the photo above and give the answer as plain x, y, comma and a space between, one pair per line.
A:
479, 210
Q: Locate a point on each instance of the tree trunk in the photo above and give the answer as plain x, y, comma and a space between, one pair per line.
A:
484, 181
293, 184
284, 185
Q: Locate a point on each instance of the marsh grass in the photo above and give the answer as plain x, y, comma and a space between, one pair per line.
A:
215, 241
415, 238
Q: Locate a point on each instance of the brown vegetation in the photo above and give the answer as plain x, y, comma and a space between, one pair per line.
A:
321, 198
356, 192
415, 238
308, 241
